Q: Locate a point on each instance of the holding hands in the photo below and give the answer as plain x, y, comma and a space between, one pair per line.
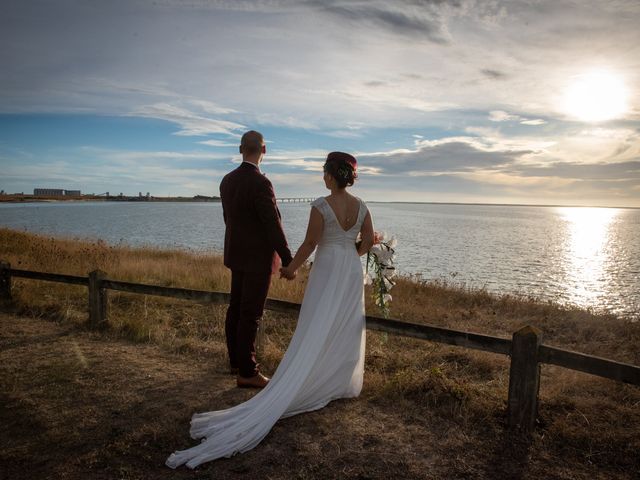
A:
287, 272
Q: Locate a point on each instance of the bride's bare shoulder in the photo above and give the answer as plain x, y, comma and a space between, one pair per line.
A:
355, 201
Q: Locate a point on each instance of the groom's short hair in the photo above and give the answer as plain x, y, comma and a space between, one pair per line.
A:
251, 143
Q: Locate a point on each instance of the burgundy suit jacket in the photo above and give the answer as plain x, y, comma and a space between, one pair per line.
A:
253, 231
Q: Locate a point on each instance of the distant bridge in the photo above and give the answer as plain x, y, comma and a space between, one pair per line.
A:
295, 199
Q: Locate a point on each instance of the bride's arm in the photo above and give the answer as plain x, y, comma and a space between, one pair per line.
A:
314, 233
366, 233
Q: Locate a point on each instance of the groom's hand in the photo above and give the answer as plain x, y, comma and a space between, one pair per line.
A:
287, 273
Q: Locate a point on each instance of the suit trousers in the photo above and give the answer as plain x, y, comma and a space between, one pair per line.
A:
248, 296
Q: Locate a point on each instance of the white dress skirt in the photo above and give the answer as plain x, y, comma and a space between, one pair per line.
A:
324, 361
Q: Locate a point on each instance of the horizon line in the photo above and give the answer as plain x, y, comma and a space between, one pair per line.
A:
487, 204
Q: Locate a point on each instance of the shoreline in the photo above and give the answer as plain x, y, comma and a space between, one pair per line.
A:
111, 199
204, 199
416, 278
505, 205
147, 253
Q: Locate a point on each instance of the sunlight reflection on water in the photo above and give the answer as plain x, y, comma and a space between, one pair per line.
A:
589, 257
588, 253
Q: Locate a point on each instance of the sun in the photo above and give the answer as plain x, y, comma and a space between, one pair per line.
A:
596, 96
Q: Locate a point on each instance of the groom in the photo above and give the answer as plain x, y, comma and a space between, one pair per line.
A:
252, 238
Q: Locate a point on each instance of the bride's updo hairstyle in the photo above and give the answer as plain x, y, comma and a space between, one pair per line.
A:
342, 167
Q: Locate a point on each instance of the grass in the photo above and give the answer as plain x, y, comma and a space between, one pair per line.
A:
451, 399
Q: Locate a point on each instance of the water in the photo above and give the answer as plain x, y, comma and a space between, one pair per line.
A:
588, 257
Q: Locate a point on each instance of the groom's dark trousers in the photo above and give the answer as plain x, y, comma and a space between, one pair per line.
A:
253, 237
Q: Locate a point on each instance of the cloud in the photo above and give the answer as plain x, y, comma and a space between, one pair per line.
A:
446, 156
603, 172
511, 180
517, 168
311, 160
218, 143
276, 120
493, 74
596, 146
501, 116
140, 53
191, 124
375, 83
413, 19
343, 134
211, 107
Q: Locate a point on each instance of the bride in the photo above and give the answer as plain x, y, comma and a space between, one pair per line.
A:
325, 359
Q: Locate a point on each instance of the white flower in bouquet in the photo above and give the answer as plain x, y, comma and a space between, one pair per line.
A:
389, 272
381, 257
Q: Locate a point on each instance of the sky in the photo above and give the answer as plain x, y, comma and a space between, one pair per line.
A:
528, 102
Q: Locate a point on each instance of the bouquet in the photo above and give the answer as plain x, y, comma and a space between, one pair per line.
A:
380, 270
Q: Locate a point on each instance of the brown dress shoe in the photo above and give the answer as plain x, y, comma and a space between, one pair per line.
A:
257, 381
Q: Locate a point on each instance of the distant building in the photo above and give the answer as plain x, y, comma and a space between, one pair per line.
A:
49, 192
56, 192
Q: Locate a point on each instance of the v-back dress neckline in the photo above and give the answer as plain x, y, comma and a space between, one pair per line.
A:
345, 230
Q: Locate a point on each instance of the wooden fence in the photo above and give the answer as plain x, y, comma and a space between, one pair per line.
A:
525, 347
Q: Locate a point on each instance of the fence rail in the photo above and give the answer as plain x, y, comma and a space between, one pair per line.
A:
602, 367
459, 338
525, 347
203, 296
51, 277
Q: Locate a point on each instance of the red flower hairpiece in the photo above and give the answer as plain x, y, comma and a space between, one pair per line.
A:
346, 158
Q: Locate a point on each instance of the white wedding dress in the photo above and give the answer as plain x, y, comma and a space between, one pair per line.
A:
324, 361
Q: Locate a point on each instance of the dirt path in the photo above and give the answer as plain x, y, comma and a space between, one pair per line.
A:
81, 405
77, 405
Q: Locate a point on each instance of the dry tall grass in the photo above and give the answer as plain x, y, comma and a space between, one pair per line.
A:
582, 418
433, 302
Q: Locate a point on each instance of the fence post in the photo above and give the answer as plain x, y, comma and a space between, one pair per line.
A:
524, 379
5, 281
97, 300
